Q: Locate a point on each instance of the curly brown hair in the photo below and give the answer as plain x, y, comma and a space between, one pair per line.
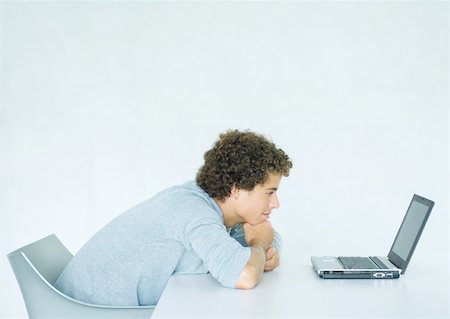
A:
244, 159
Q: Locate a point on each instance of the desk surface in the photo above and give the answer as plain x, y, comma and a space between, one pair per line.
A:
295, 290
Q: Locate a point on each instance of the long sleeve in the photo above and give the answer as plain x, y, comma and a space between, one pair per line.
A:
207, 237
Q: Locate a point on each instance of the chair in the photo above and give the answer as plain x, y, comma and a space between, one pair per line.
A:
38, 265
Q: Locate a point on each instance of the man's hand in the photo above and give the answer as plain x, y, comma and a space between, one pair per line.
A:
272, 259
261, 232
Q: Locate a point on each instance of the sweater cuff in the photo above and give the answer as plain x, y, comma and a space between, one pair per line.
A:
277, 242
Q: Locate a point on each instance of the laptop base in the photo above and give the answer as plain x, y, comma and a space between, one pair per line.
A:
329, 267
340, 274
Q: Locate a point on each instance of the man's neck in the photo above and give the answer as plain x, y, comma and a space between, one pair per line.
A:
230, 218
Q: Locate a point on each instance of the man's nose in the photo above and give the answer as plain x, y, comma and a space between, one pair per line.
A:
275, 203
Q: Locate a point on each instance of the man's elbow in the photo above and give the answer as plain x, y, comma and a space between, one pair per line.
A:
248, 278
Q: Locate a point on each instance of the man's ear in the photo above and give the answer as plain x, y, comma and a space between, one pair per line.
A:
234, 192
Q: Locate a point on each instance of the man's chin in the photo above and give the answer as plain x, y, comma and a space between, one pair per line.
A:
254, 223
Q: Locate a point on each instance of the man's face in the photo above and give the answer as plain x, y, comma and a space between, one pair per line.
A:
255, 206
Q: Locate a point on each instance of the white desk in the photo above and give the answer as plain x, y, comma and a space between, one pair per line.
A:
294, 290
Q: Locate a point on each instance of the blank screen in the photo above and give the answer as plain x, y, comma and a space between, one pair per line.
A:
409, 229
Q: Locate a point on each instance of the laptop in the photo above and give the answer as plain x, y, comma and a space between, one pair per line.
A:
378, 267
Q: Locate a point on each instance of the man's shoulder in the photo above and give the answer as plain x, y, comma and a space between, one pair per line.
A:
189, 200
192, 192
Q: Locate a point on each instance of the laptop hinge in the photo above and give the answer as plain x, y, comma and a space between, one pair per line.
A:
394, 263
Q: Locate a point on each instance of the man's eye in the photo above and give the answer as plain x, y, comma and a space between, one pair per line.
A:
269, 193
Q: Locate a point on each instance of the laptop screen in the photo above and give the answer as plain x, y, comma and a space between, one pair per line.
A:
410, 231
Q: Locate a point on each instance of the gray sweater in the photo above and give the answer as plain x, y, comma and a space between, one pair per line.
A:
179, 230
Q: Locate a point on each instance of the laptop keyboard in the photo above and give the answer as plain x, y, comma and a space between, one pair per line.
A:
357, 263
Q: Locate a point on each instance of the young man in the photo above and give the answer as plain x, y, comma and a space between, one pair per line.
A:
217, 224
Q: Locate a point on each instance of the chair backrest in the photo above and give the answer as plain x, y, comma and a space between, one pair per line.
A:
38, 265
48, 256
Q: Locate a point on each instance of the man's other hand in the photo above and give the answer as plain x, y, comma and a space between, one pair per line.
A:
272, 259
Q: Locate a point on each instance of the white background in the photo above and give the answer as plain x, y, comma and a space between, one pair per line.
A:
103, 104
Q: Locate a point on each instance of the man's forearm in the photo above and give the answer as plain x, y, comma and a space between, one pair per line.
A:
253, 270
